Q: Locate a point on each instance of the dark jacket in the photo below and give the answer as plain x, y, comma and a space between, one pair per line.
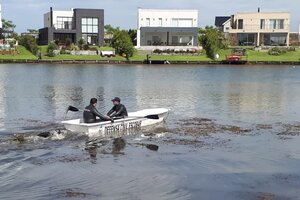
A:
118, 111
90, 113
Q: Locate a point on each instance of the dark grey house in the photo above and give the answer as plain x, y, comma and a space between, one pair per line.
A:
73, 25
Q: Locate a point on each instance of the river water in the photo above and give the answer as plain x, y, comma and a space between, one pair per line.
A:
233, 132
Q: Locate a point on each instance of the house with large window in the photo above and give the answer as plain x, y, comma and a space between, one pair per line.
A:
73, 25
256, 28
164, 28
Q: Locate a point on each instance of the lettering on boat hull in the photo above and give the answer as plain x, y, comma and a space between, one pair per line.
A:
123, 126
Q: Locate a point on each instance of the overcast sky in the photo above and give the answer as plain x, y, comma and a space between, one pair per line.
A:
29, 13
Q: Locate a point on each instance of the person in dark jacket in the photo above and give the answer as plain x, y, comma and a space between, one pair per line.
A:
118, 110
90, 113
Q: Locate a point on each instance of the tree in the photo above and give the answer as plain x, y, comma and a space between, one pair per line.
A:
109, 29
8, 25
212, 40
32, 30
122, 43
81, 42
8, 29
133, 35
29, 42
50, 49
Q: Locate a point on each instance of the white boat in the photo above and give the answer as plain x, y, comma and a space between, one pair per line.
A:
137, 119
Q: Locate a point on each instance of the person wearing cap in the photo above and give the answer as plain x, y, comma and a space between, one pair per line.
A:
118, 110
90, 113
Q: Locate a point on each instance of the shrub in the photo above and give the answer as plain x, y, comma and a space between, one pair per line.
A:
275, 51
158, 51
65, 51
50, 49
122, 43
29, 42
73, 47
86, 47
212, 40
81, 42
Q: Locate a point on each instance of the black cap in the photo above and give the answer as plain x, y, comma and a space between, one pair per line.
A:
116, 99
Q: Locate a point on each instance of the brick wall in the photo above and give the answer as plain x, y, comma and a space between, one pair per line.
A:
294, 39
233, 39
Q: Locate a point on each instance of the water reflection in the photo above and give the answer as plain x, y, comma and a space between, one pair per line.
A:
42, 92
195, 158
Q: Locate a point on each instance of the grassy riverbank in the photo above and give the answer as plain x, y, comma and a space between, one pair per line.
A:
23, 54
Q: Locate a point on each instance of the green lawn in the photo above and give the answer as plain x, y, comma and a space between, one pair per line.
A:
263, 56
141, 55
81, 57
23, 54
138, 56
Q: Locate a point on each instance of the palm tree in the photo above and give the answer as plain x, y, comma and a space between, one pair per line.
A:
8, 28
8, 25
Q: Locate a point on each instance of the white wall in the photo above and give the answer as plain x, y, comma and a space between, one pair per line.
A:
47, 21
167, 18
227, 26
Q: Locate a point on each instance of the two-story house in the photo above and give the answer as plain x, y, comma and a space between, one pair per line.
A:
75, 24
257, 28
158, 27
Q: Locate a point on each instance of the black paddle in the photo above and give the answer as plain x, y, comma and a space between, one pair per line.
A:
74, 109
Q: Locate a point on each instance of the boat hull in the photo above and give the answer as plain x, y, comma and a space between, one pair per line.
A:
134, 120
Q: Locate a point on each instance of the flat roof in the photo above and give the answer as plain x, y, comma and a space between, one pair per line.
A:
168, 10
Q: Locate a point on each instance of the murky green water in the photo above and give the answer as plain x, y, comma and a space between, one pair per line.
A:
232, 133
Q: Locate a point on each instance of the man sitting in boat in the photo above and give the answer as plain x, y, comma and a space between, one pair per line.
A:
90, 113
118, 110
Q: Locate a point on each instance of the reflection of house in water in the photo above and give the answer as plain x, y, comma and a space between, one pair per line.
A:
155, 89
254, 97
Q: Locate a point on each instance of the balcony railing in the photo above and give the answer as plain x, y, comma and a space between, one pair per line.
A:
64, 26
262, 27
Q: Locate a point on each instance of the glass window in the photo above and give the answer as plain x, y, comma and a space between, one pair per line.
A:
95, 21
245, 39
147, 21
160, 22
95, 29
262, 24
240, 24
281, 24
89, 25
276, 24
185, 22
63, 23
90, 29
175, 22
84, 29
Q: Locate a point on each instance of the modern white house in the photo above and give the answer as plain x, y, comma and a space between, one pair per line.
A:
256, 28
165, 28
